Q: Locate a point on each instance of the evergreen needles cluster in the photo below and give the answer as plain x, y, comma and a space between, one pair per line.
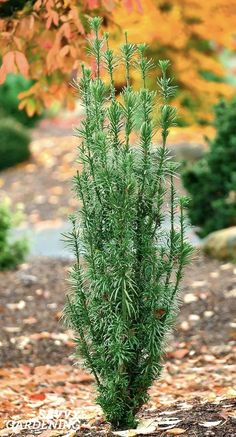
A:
129, 242
12, 253
211, 182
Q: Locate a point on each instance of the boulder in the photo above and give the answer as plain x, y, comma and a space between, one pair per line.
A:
189, 152
221, 244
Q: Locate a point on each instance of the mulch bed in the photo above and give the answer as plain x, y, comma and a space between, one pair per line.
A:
199, 419
193, 419
37, 353
33, 296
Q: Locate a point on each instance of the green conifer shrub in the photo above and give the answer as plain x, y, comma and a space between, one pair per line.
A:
129, 263
9, 101
14, 143
11, 253
211, 182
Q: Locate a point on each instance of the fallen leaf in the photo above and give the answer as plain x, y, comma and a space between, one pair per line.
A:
224, 415
4, 432
168, 413
179, 354
58, 315
168, 423
210, 424
177, 431
70, 434
126, 433
209, 358
50, 433
11, 329
198, 283
16, 306
146, 426
30, 321
185, 406
38, 396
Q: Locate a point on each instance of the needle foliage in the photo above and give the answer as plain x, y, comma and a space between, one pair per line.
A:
211, 182
129, 239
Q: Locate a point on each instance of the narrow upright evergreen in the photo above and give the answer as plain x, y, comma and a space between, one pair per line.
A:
129, 241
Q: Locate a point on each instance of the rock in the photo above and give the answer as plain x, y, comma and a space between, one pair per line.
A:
189, 152
221, 244
27, 279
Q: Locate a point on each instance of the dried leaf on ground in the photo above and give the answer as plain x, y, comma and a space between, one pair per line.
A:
177, 431
211, 424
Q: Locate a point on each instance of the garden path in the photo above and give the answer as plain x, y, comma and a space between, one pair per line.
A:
43, 184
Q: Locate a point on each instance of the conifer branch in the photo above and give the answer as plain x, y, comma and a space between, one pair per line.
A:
83, 341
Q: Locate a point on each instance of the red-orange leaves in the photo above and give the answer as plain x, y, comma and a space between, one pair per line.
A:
13, 62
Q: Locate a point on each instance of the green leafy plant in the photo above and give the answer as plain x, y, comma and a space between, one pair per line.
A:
9, 7
129, 262
211, 182
11, 253
14, 143
9, 101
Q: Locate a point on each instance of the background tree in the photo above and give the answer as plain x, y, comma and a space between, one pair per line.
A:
211, 182
45, 39
192, 34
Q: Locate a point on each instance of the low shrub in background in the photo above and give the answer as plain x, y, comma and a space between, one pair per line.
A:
211, 182
9, 101
124, 292
11, 253
8, 7
14, 143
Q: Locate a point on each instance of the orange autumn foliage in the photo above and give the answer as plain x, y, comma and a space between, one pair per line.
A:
46, 41
192, 34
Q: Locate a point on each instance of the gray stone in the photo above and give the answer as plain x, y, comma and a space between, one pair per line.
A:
28, 280
221, 244
189, 152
